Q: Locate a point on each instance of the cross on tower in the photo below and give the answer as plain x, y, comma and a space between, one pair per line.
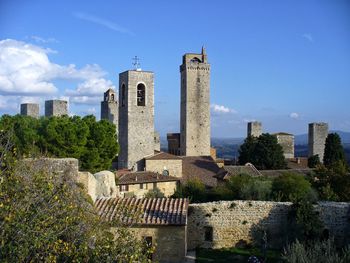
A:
136, 63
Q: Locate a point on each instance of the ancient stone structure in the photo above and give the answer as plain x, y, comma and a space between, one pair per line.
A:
30, 109
156, 141
165, 163
286, 140
173, 143
254, 129
318, 133
195, 105
56, 108
136, 118
234, 223
109, 107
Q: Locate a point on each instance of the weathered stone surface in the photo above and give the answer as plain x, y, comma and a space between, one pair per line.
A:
286, 140
254, 129
56, 108
56, 165
109, 107
173, 166
237, 223
105, 186
195, 105
90, 184
318, 133
30, 109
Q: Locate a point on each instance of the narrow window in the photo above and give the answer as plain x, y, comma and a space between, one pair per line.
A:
112, 97
123, 95
208, 233
141, 95
141, 186
124, 188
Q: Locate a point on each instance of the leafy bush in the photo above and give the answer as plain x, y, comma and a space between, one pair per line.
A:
154, 193
194, 190
317, 252
292, 187
313, 161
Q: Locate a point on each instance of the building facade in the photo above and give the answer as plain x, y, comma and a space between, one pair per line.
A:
109, 107
136, 118
195, 105
318, 133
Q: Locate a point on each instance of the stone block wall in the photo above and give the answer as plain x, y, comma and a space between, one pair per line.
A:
56, 108
234, 223
287, 143
318, 133
254, 129
174, 166
30, 109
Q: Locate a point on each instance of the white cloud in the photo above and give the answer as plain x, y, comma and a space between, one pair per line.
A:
294, 115
221, 109
308, 37
102, 22
26, 73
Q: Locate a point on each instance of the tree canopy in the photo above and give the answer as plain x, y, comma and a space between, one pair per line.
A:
334, 151
93, 142
264, 152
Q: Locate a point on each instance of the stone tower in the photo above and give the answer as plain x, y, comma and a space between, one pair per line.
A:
254, 129
109, 107
195, 105
30, 109
136, 118
318, 133
56, 108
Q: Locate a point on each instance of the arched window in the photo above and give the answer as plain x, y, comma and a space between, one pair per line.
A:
123, 95
141, 95
195, 60
112, 97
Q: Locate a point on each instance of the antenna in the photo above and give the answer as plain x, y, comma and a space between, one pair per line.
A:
136, 63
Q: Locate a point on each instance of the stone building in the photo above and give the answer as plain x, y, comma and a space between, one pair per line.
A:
165, 163
173, 143
56, 108
109, 107
163, 223
136, 118
286, 140
137, 184
318, 133
156, 141
254, 129
30, 109
195, 105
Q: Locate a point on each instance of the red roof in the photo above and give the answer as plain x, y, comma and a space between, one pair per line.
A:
152, 211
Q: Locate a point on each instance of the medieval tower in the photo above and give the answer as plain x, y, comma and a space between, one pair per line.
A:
254, 129
56, 108
136, 118
318, 133
109, 107
30, 109
195, 105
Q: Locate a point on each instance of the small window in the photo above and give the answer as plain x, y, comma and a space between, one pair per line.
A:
141, 186
198, 80
112, 97
165, 173
123, 95
208, 233
124, 188
141, 95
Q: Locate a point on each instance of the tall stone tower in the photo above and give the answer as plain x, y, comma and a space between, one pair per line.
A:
254, 129
195, 105
109, 107
56, 108
136, 118
30, 109
318, 133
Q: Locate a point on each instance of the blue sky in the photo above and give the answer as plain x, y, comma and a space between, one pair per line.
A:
284, 63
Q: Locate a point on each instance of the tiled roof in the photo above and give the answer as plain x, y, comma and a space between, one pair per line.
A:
203, 168
163, 156
144, 177
282, 133
276, 173
234, 170
297, 163
151, 211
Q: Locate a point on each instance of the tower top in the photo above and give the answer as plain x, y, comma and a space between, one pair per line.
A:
136, 63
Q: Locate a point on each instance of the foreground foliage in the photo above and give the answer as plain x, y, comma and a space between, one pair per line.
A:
93, 143
47, 217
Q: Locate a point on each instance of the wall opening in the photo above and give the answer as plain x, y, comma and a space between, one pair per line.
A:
208, 233
141, 95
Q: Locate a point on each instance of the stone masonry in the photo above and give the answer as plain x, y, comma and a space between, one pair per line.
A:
254, 129
136, 118
156, 141
233, 223
195, 105
56, 108
286, 140
109, 107
318, 133
30, 109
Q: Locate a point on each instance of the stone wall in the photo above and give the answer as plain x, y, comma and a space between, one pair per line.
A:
235, 223
56, 108
167, 188
287, 143
174, 166
30, 109
254, 129
318, 133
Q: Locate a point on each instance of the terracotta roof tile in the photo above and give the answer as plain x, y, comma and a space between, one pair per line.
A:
234, 170
144, 177
163, 156
152, 211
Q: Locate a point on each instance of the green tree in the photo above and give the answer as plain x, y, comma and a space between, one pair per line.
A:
154, 193
193, 189
46, 217
292, 187
264, 152
313, 161
334, 151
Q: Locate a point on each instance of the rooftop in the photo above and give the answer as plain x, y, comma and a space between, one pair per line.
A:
163, 156
151, 211
234, 170
144, 177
